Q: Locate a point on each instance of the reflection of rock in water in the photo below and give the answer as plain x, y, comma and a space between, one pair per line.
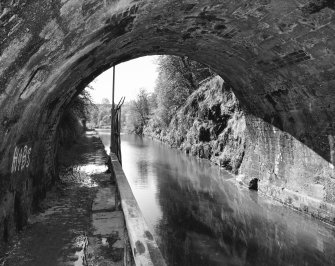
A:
142, 167
220, 224
207, 220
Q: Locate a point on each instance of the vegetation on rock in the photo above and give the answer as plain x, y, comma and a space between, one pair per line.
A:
100, 115
178, 78
209, 125
138, 112
191, 109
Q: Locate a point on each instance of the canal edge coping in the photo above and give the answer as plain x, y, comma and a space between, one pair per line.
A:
144, 247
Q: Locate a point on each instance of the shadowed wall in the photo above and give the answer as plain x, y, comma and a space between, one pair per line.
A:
278, 55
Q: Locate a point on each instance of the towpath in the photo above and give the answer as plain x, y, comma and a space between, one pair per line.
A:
79, 222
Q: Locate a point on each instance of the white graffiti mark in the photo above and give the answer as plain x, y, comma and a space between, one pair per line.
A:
21, 159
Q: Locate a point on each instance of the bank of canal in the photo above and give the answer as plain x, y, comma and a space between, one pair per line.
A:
78, 223
200, 215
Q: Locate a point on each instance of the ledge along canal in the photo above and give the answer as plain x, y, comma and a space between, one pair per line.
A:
200, 215
70, 227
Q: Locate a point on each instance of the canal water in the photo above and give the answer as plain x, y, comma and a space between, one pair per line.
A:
201, 216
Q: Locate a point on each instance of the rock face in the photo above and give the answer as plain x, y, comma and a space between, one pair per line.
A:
288, 170
213, 126
278, 56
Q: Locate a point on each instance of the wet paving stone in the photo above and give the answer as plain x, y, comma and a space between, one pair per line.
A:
59, 233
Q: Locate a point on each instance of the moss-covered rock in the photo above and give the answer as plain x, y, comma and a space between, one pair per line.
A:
210, 125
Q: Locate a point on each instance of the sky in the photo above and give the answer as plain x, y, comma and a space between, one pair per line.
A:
130, 77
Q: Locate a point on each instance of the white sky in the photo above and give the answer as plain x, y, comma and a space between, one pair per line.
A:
130, 77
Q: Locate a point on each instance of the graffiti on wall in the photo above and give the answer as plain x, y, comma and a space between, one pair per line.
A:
21, 158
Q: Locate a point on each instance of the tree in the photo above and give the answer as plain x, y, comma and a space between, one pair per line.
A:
105, 101
74, 118
140, 110
178, 78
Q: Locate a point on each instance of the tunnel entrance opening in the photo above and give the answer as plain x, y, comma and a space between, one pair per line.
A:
182, 92
279, 142
277, 58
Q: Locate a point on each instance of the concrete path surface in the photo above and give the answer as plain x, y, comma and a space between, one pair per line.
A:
79, 222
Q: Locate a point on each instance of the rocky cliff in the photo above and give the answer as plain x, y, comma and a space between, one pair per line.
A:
210, 125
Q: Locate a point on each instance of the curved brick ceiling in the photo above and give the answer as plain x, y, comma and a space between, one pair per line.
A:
277, 54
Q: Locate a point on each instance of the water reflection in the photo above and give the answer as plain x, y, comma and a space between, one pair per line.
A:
200, 216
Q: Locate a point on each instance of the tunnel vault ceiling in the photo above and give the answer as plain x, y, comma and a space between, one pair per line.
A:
278, 55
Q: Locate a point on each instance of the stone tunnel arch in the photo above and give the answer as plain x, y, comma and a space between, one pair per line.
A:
278, 56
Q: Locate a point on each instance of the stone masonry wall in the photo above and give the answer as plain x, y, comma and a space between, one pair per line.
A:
288, 170
278, 56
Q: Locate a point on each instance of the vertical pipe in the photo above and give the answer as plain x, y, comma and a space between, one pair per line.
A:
112, 114
120, 158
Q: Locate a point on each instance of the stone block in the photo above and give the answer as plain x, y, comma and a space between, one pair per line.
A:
107, 223
104, 200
